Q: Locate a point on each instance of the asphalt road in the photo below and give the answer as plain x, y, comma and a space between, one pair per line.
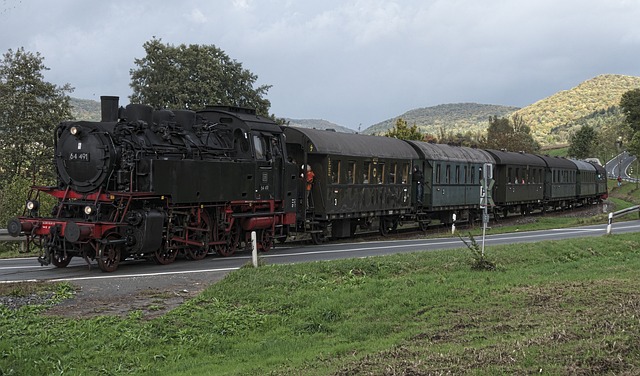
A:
143, 274
620, 166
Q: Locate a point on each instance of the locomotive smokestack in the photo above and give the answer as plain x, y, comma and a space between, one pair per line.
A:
109, 108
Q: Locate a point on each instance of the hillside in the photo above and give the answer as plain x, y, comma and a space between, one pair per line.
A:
595, 97
318, 124
456, 118
85, 109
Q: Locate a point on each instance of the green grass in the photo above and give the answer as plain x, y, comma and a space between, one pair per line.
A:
569, 307
556, 152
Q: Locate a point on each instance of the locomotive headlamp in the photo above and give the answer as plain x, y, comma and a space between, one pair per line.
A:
88, 210
32, 205
75, 130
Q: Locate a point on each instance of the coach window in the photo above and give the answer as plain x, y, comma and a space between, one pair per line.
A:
465, 172
334, 171
457, 177
393, 173
473, 174
366, 173
381, 173
351, 173
405, 173
437, 174
509, 175
447, 177
259, 147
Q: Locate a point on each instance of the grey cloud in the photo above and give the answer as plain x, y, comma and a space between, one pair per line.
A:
349, 62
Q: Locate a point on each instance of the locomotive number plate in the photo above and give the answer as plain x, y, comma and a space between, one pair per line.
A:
80, 157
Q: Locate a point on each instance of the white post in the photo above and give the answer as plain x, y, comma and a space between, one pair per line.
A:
609, 225
453, 224
254, 249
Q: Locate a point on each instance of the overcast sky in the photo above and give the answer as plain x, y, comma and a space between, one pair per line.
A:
351, 62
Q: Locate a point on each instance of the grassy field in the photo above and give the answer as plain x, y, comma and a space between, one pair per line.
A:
568, 307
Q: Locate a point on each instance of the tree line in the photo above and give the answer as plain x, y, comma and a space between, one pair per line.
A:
502, 133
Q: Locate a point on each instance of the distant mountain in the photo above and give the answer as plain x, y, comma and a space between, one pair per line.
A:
318, 124
552, 118
85, 109
456, 118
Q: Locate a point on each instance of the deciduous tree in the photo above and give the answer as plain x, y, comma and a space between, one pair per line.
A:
401, 130
192, 77
582, 143
511, 135
630, 104
30, 109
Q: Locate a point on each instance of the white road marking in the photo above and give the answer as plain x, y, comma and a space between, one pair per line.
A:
113, 276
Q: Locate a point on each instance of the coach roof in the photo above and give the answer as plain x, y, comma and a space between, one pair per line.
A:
510, 157
349, 144
584, 166
441, 152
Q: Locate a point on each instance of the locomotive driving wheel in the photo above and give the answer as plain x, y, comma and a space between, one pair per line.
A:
109, 254
232, 239
165, 255
195, 252
266, 239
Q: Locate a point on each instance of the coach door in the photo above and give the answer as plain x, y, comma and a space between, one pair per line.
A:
264, 178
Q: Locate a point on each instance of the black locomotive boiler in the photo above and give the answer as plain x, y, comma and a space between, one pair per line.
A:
154, 184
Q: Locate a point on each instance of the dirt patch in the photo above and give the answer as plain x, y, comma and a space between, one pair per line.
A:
150, 303
149, 297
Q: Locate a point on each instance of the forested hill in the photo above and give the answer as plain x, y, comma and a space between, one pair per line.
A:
598, 96
455, 118
85, 109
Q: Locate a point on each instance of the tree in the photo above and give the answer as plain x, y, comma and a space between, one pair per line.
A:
630, 104
582, 144
192, 77
402, 131
512, 135
30, 109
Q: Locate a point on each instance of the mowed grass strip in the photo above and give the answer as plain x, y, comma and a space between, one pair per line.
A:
570, 307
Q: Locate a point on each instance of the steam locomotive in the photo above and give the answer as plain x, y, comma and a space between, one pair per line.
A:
156, 184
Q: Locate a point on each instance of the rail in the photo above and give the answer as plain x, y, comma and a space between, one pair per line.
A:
621, 213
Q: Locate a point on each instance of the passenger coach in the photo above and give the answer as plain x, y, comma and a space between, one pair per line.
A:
358, 178
452, 180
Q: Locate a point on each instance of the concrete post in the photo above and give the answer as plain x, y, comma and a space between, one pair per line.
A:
254, 249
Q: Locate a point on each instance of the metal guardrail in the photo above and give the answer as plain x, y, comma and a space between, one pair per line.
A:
621, 213
626, 211
5, 237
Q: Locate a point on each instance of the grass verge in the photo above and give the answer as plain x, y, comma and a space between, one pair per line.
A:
570, 307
